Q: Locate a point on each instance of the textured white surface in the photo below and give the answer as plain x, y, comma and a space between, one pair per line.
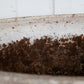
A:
35, 28
13, 78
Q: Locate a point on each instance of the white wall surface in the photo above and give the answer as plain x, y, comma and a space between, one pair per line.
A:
63, 6
21, 8
78, 6
34, 7
7, 8
69, 6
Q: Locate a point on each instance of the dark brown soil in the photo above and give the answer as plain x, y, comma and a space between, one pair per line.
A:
44, 56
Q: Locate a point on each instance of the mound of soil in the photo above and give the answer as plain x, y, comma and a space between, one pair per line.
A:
58, 57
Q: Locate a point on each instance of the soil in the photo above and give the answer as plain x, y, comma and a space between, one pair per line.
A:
45, 56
